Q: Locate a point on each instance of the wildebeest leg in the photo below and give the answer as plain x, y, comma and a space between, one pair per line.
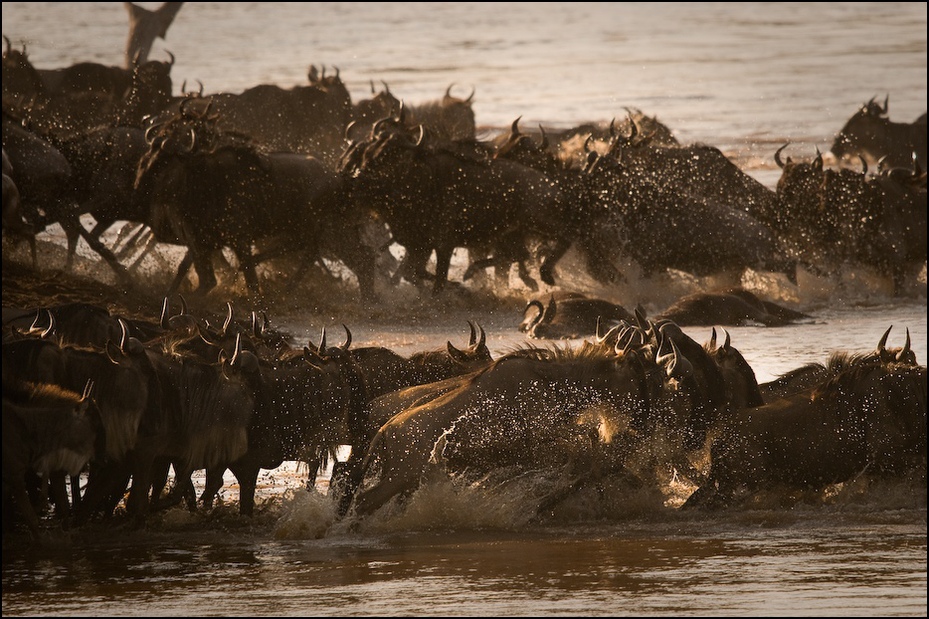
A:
443, 260
247, 264
373, 498
214, 483
75, 483
72, 229
21, 500
247, 475
58, 492
182, 269
121, 273
183, 490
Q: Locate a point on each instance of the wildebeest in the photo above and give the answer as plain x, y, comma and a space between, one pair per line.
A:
832, 218
870, 417
438, 195
662, 229
46, 430
305, 406
571, 318
309, 119
84, 95
207, 190
527, 388
731, 307
127, 392
871, 134
809, 375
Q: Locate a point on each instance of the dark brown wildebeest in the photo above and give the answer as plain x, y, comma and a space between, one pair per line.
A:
439, 195
310, 119
732, 308
207, 190
741, 384
47, 430
869, 133
833, 218
811, 374
572, 318
545, 388
662, 227
870, 417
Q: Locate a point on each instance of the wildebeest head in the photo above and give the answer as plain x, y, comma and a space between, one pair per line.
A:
871, 134
864, 129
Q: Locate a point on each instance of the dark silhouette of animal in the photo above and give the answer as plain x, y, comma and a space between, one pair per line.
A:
664, 229
732, 307
47, 431
869, 133
870, 417
571, 318
536, 388
206, 190
145, 26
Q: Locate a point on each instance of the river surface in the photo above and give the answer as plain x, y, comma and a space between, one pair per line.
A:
745, 77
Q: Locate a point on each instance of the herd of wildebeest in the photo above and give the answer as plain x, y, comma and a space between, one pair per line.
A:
307, 172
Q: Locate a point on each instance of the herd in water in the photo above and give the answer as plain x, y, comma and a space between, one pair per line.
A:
104, 406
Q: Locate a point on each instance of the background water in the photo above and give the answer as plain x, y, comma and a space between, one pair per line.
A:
745, 77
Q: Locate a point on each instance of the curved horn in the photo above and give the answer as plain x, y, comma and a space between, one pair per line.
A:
726, 344
864, 165
473, 338
88, 389
123, 334
171, 56
482, 339
886, 102
818, 161
348, 129
544, 143
348, 339
183, 304
633, 130
9, 44
238, 349
193, 141
448, 91
471, 96
256, 329
51, 324
164, 314
421, 136
713, 340
777, 156
322, 341
905, 351
514, 128
228, 317
538, 305
883, 342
